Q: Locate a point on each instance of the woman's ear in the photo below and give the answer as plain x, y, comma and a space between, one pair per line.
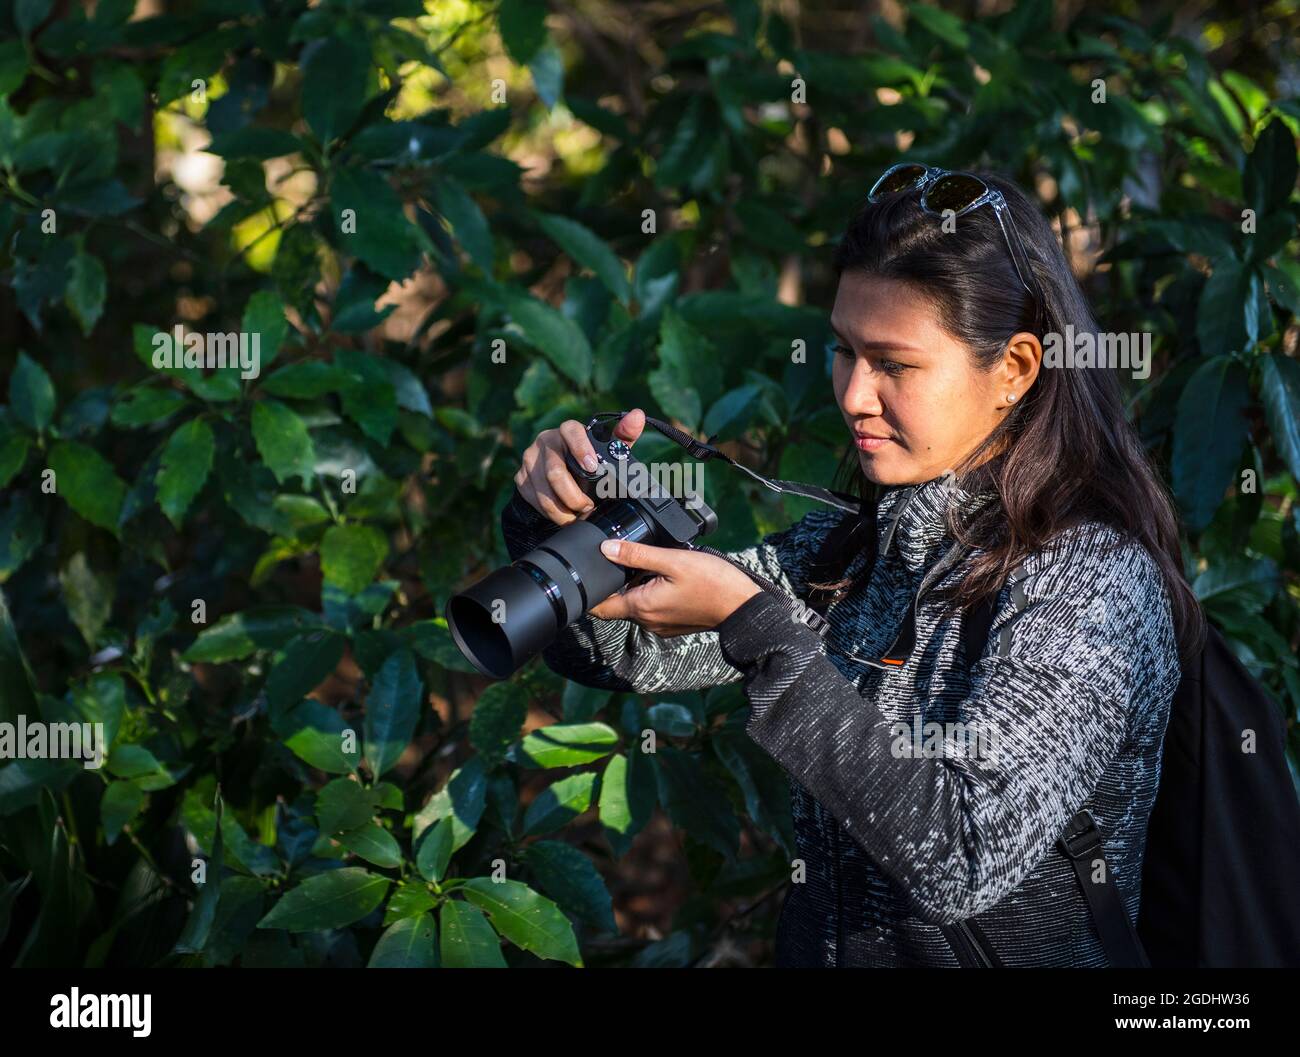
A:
1019, 369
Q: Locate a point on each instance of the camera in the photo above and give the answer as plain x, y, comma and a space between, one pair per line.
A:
515, 612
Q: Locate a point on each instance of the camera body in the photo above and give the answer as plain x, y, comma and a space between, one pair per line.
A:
515, 612
619, 474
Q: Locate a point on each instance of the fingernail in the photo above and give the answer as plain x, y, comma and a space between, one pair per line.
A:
610, 547
589, 461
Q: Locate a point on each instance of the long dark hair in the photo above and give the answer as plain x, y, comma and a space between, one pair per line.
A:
1067, 452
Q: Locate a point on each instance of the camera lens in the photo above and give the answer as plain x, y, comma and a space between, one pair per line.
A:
515, 612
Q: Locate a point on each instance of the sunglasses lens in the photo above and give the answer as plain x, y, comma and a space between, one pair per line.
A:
955, 191
900, 179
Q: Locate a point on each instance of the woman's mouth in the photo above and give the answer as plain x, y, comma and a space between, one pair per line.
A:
869, 442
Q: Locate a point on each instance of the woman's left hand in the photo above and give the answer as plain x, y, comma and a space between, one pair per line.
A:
692, 591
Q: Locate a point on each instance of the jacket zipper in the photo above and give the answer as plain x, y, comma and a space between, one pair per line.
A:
966, 938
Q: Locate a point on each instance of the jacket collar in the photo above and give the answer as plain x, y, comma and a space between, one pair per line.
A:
911, 520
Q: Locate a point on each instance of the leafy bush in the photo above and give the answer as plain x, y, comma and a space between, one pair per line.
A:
241, 577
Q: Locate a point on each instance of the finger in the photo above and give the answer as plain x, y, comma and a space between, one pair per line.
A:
630, 426
641, 556
544, 501
574, 434
615, 607
564, 487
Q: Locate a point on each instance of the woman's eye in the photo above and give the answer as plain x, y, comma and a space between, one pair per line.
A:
893, 367
842, 350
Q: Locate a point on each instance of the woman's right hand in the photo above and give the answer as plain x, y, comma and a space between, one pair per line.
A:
544, 480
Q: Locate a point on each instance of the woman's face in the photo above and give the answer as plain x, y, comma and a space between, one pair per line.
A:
907, 389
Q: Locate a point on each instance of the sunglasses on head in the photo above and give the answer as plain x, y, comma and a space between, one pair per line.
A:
943, 190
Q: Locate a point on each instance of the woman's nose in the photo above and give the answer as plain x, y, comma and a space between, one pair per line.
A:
862, 394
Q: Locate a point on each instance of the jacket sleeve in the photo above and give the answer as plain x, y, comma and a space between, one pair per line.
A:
620, 654
958, 830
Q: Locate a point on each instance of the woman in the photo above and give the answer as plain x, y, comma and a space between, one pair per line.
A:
979, 464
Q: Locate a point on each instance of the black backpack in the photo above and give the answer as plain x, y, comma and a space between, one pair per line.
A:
1221, 871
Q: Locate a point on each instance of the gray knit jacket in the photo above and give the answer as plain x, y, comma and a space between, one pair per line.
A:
897, 836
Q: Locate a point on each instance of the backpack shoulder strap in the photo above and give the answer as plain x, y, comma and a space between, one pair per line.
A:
1082, 844
836, 554
977, 622
1082, 841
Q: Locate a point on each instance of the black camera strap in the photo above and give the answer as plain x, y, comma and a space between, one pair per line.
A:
704, 451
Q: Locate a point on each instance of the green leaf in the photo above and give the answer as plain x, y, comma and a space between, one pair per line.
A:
435, 851
264, 317
1220, 314
628, 794
238, 635
761, 780
29, 14
143, 767
330, 900
731, 413
374, 844
559, 803
334, 75
569, 877
1270, 173
99, 699
22, 531
566, 745
499, 713
1280, 377
1284, 283
526, 918
239, 851
304, 381
88, 483
120, 804
581, 703
694, 801
943, 24
308, 661
31, 394
589, 250
13, 454
688, 376
317, 734
254, 142
144, 405
370, 223
392, 711
1242, 583
344, 804
553, 334
410, 900
86, 291
198, 927
1209, 435
411, 943
186, 463
283, 441
468, 941
432, 640
88, 596
523, 28
467, 221
547, 68
369, 394
351, 555
19, 698
461, 800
